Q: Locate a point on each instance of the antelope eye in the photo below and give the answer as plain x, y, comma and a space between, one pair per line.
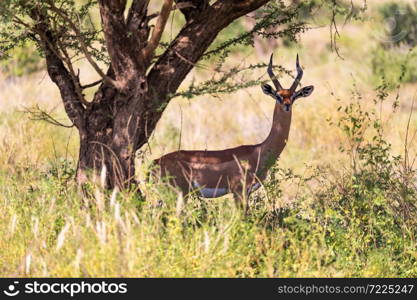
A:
279, 98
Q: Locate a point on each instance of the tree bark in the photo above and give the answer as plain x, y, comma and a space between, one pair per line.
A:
110, 139
100, 155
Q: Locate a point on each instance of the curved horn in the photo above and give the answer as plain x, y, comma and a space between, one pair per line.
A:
272, 75
299, 76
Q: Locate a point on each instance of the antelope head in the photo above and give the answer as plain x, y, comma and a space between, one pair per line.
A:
286, 97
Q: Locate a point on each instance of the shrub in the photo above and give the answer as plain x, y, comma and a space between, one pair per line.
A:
368, 207
401, 19
395, 66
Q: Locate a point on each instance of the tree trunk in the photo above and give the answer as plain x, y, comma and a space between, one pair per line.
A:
108, 143
98, 157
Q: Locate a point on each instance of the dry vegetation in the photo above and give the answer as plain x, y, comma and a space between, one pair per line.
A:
325, 211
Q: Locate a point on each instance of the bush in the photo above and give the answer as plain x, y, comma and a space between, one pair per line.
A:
395, 66
376, 196
23, 60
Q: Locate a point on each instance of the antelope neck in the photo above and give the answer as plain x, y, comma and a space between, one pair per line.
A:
275, 142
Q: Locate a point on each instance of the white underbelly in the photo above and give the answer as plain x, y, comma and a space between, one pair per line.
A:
205, 192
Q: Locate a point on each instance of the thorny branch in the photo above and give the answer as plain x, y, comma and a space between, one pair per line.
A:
38, 114
83, 45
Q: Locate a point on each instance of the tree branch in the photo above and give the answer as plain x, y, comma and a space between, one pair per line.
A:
137, 21
191, 11
149, 50
38, 114
122, 45
75, 77
180, 6
137, 13
90, 85
58, 72
80, 39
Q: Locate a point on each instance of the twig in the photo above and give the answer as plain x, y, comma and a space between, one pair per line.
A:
87, 86
37, 114
185, 59
334, 35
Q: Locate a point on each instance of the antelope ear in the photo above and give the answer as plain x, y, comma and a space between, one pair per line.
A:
267, 89
304, 92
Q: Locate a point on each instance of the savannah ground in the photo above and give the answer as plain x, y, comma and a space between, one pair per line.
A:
341, 201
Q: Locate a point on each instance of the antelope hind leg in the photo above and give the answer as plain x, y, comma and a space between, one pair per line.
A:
241, 199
